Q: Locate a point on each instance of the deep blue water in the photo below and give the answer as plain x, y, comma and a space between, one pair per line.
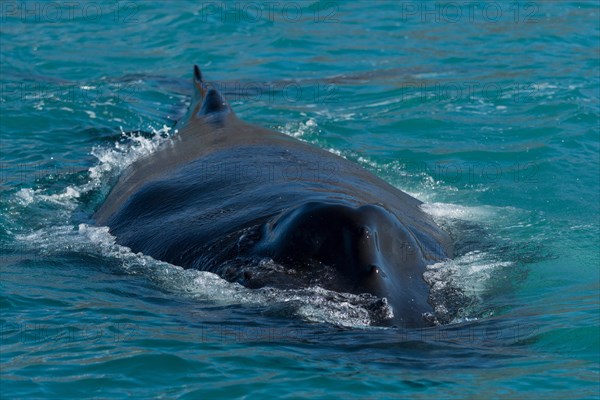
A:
488, 112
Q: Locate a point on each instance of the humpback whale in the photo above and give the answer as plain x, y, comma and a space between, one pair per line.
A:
223, 195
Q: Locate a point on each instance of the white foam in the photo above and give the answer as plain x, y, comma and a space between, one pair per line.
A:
336, 152
299, 130
116, 159
468, 276
447, 210
111, 161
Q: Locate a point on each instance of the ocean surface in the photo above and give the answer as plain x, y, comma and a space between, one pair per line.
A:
488, 112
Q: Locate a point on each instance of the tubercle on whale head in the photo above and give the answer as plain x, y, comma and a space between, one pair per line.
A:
207, 102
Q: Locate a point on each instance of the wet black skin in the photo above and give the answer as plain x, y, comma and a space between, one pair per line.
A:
224, 194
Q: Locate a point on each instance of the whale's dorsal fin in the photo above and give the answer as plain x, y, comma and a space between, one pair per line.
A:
207, 99
207, 103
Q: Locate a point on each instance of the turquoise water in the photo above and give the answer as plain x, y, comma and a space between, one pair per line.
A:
488, 112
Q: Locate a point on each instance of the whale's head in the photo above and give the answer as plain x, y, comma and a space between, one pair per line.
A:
369, 248
207, 103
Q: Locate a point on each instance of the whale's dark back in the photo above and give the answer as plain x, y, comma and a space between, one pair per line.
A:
209, 196
223, 191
